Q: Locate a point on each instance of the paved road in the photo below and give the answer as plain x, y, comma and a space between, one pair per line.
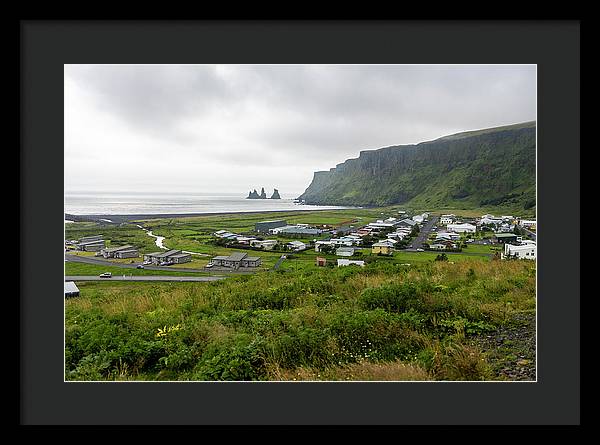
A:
417, 243
139, 278
102, 262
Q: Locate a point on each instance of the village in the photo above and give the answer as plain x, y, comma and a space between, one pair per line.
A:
506, 237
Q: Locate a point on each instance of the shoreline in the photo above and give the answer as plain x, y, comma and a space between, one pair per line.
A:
117, 219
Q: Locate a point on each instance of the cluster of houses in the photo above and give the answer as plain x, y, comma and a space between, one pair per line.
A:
252, 241
445, 240
96, 243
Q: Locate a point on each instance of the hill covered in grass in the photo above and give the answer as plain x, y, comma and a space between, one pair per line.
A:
489, 167
429, 321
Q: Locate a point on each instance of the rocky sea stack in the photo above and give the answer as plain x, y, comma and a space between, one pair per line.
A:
263, 195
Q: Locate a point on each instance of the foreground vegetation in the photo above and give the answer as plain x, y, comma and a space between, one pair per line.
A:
382, 322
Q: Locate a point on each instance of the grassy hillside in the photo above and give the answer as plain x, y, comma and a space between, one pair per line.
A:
493, 167
381, 322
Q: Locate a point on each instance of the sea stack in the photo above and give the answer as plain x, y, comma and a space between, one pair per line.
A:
263, 195
275, 194
253, 195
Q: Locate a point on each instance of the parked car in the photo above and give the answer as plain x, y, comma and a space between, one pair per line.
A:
139, 266
420, 250
106, 275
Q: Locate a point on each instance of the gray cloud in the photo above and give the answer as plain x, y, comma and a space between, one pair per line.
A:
284, 120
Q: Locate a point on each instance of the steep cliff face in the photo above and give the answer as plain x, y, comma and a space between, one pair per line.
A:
487, 167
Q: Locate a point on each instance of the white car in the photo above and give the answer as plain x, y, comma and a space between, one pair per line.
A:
106, 275
420, 250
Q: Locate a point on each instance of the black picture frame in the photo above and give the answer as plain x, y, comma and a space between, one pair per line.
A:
45, 46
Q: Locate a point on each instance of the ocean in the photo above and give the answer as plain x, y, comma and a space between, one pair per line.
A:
91, 203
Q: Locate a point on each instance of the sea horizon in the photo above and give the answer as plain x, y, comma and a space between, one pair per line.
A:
146, 202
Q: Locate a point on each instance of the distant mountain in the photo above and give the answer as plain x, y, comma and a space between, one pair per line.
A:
489, 167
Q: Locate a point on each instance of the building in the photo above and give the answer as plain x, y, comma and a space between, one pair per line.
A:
447, 219
407, 223
170, 257
525, 252
244, 239
296, 246
267, 244
345, 262
344, 251
462, 228
382, 248
530, 224
133, 253
71, 289
236, 260
320, 261
507, 238
265, 226
91, 246
110, 252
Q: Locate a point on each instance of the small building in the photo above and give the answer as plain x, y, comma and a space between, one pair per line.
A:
236, 260
382, 248
265, 226
344, 251
91, 246
344, 262
170, 256
267, 244
320, 244
507, 238
525, 252
133, 253
320, 261
296, 230
407, 222
296, 246
447, 219
109, 252
462, 228
71, 290
244, 239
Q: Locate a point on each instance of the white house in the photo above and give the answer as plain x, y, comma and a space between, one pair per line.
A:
296, 245
319, 244
418, 219
344, 251
345, 262
527, 251
527, 223
267, 244
446, 219
462, 228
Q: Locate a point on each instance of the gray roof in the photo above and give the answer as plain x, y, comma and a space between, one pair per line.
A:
221, 257
153, 254
116, 249
408, 221
70, 287
87, 243
252, 258
181, 255
345, 249
168, 253
237, 256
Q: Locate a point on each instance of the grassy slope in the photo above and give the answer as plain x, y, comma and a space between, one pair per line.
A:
384, 321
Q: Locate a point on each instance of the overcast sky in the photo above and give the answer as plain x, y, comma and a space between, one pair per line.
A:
232, 128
